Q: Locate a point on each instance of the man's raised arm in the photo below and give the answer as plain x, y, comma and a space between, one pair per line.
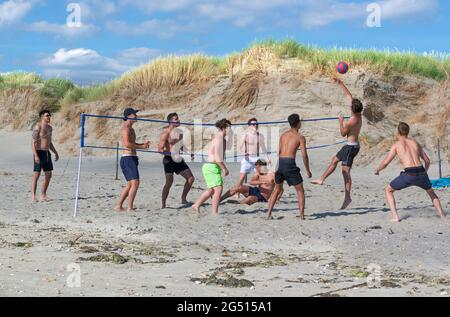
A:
344, 89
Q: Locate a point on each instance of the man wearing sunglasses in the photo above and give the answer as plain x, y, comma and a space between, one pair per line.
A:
171, 144
251, 145
41, 146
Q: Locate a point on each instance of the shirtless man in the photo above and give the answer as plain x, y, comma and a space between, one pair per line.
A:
171, 141
250, 145
212, 171
351, 131
129, 162
288, 171
41, 146
264, 182
410, 154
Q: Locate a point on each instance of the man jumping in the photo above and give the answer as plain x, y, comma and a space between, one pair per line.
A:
351, 130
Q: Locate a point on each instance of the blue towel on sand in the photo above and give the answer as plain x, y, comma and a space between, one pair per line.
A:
441, 183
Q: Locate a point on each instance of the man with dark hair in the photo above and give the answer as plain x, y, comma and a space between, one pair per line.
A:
251, 145
347, 155
212, 171
410, 154
290, 142
263, 183
41, 146
129, 162
171, 144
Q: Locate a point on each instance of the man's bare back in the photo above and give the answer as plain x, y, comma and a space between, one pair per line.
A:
409, 152
289, 144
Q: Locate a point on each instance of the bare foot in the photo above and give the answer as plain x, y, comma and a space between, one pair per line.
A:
45, 199
131, 209
33, 199
317, 182
119, 208
163, 206
270, 218
301, 217
196, 209
395, 220
346, 203
444, 218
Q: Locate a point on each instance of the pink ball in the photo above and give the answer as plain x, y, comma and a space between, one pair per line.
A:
342, 68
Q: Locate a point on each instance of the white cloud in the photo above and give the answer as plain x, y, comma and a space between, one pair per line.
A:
159, 28
13, 11
164, 6
244, 13
328, 12
87, 66
94, 10
62, 30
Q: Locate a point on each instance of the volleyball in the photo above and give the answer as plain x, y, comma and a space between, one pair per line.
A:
342, 68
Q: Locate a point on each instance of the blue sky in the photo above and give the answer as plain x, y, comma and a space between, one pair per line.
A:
118, 35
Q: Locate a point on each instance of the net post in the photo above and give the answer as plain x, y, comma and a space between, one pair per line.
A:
80, 158
439, 157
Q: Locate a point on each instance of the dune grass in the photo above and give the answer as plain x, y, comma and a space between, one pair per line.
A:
174, 71
19, 79
434, 66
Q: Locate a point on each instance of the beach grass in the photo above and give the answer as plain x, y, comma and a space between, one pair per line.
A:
174, 71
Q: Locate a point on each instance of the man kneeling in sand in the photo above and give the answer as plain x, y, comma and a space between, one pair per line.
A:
129, 162
409, 153
264, 182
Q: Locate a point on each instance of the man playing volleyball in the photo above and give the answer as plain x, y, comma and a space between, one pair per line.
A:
171, 143
213, 170
130, 161
290, 142
41, 146
251, 145
263, 182
349, 152
410, 154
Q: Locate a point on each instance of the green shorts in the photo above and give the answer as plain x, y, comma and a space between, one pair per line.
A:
213, 175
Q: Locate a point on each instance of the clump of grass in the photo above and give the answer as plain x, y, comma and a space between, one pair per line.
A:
19, 79
173, 71
88, 94
434, 66
54, 91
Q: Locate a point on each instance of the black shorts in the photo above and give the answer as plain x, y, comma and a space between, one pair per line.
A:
348, 154
129, 166
170, 166
289, 172
256, 192
416, 176
46, 164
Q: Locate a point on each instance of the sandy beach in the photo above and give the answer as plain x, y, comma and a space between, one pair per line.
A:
174, 252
